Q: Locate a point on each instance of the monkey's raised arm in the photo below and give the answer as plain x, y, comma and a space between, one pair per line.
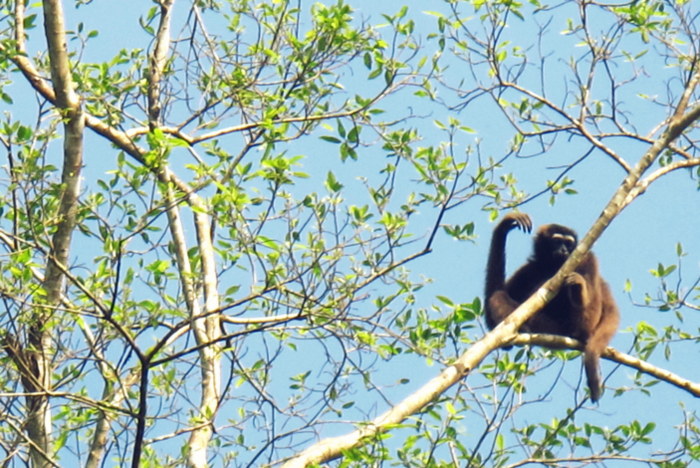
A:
496, 266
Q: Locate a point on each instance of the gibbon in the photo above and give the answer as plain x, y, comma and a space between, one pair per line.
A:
583, 308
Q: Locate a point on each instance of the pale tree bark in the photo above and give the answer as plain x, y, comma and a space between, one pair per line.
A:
115, 391
611, 354
207, 329
330, 448
206, 325
34, 358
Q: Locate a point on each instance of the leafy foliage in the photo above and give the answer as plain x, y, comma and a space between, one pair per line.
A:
267, 198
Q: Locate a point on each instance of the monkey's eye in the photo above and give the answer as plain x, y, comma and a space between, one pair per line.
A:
565, 240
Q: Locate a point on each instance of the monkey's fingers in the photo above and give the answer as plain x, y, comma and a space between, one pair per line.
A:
515, 220
523, 222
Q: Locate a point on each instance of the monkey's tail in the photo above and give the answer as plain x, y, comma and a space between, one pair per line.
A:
590, 363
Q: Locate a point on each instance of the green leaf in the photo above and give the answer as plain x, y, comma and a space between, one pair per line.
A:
330, 139
332, 183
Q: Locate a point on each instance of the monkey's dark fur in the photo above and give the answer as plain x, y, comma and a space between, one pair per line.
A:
583, 308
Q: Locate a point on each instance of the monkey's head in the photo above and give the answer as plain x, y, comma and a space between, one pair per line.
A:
553, 244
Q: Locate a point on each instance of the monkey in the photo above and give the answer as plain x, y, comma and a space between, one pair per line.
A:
584, 307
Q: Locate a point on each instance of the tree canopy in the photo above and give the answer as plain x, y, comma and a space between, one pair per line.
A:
253, 233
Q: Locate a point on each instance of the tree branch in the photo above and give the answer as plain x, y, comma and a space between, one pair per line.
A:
611, 354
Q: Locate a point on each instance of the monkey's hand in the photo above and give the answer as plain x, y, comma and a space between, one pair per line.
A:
577, 289
516, 220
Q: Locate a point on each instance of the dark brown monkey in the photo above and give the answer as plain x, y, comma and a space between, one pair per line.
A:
583, 308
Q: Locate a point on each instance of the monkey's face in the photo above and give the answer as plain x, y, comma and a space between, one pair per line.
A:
554, 244
562, 245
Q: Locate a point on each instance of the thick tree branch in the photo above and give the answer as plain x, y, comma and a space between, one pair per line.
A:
34, 358
611, 354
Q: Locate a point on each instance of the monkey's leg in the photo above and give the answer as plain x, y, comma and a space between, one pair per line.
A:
577, 289
596, 344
